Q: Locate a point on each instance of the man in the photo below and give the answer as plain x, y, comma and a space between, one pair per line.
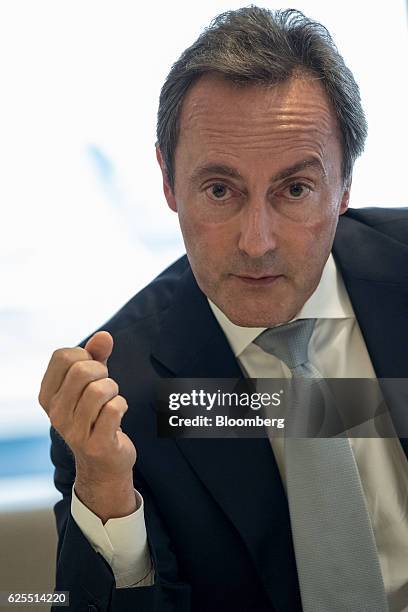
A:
259, 125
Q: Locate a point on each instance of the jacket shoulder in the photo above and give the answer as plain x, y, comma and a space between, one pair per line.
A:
392, 222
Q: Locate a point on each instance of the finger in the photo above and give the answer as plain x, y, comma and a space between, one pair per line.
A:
109, 419
63, 404
59, 364
100, 346
92, 400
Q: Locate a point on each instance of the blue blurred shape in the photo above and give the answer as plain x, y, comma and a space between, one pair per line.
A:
25, 456
102, 163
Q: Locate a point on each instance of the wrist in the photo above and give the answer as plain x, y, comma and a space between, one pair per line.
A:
107, 499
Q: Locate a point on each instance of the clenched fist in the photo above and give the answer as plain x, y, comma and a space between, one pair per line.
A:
85, 407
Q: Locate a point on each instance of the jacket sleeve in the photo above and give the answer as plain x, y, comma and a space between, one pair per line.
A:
86, 575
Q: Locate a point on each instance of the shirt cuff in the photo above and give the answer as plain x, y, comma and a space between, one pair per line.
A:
121, 541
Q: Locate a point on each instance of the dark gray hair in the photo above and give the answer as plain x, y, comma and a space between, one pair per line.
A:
257, 45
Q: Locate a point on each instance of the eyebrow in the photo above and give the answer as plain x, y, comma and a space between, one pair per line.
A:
202, 171
221, 169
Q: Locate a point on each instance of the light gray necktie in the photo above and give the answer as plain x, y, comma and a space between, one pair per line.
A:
336, 554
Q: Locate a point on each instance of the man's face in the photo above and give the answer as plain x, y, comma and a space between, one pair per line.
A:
258, 190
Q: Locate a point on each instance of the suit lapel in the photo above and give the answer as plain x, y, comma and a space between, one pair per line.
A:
375, 272
241, 474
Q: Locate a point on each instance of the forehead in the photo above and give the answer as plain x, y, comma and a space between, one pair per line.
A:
220, 114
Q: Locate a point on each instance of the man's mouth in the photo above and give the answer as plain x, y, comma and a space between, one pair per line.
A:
264, 279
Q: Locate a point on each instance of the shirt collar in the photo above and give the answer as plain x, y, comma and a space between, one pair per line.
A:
329, 301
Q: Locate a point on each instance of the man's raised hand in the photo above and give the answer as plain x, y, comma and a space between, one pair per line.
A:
85, 407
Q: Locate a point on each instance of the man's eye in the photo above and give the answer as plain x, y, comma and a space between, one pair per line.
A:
297, 191
218, 191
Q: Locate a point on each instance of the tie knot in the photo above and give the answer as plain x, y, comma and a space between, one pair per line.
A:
289, 342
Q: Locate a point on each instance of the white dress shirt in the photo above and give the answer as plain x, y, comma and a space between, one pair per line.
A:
338, 350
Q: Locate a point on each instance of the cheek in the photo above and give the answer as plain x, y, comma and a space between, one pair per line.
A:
318, 249
203, 246
320, 228
208, 239
305, 249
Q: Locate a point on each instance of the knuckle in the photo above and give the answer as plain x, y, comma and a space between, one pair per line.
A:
88, 370
92, 370
114, 387
123, 403
79, 368
116, 407
64, 355
98, 390
57, 353
70, 354
110, 408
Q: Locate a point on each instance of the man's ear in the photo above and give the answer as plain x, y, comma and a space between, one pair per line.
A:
168, 192
345, 198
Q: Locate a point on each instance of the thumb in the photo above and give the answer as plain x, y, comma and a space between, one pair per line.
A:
100, 346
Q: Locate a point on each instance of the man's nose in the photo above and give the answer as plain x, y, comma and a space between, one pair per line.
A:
257, 231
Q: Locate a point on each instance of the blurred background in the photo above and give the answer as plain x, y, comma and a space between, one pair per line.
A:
84, 224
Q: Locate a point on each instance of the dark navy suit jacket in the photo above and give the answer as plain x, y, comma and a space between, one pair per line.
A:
216, 512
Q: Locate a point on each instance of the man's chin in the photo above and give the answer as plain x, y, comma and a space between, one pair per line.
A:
260, 307
252, 317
